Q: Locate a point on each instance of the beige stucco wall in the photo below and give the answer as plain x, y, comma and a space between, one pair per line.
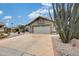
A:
1, 29
45, 23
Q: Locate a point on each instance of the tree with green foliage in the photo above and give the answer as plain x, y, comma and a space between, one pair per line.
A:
21, 28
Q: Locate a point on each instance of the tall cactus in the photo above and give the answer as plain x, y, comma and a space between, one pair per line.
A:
65, 17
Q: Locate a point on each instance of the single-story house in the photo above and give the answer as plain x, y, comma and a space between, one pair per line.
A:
41, 25
2, 26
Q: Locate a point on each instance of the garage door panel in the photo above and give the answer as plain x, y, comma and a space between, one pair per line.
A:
42, 29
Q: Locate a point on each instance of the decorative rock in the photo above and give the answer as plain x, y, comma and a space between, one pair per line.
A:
70, 49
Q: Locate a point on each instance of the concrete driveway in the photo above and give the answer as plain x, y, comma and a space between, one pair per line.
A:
27, 45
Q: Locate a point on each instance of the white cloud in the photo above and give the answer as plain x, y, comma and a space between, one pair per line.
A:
33, 15
39, 12
7, 17
19, 16
44, 11
1, 12
46, 4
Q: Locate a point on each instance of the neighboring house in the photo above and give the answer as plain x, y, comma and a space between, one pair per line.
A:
41, 25
2, 26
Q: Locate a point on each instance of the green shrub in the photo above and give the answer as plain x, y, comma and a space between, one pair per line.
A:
3, 35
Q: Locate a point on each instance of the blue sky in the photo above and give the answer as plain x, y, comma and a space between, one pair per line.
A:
21, 13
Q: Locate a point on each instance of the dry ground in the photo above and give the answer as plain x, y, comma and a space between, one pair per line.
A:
35, 44
66, 49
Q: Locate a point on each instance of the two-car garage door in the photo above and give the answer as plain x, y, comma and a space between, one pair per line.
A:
42, 29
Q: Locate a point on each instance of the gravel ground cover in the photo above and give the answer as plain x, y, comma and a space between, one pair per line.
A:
69, 49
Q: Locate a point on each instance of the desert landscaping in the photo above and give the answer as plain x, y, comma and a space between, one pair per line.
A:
50, 31
69, 49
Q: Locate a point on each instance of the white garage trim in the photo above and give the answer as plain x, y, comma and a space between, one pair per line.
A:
42, 29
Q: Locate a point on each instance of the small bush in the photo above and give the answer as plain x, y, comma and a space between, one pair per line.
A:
3, 35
